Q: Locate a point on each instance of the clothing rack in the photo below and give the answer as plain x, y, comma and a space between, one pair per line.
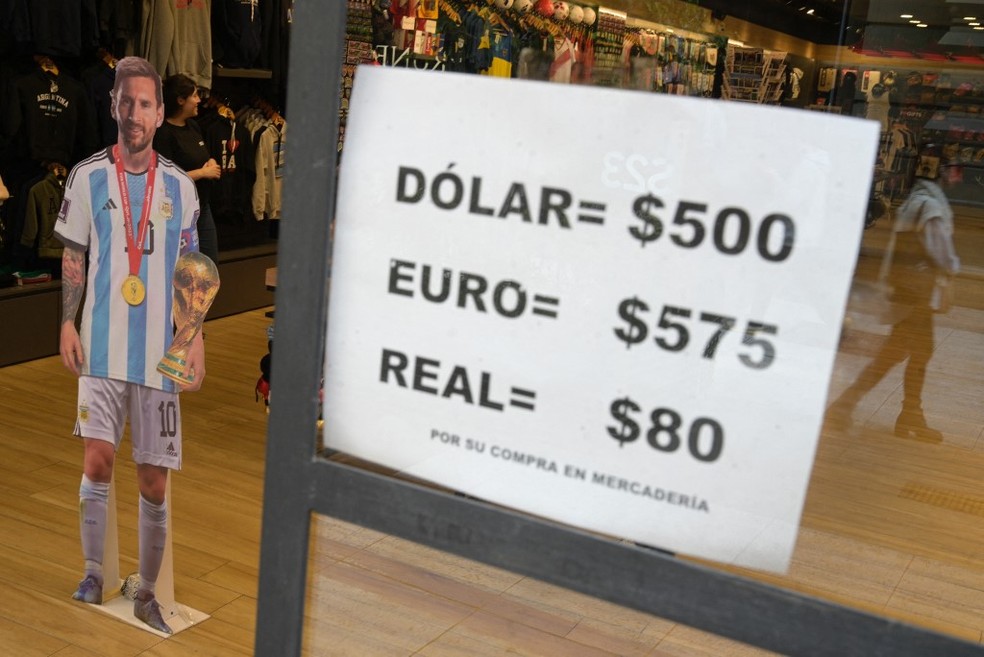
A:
222, 108
47, 64
269, 111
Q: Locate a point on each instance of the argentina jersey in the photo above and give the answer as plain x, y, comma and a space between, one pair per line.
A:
123, 341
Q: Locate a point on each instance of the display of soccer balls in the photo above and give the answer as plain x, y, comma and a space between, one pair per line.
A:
576, 15
545, 8
561, 10
589, 16
523, 6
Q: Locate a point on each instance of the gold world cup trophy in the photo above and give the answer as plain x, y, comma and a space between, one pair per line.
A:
196, 282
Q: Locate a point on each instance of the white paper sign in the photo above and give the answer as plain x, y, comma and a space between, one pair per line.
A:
614, 309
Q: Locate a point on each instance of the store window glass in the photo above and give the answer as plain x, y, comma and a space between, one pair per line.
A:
892, 521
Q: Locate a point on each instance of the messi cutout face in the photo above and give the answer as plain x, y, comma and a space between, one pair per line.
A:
138, 115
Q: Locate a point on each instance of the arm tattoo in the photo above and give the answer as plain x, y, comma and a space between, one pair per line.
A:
73, 282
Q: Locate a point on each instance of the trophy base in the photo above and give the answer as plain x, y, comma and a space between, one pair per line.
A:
173, 368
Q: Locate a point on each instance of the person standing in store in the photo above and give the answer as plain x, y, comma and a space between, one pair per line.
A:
136, 215
181, 140
922, 262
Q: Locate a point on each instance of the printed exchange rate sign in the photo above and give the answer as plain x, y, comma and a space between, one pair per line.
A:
614, 309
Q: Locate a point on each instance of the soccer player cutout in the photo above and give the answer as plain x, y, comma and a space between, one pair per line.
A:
135, 214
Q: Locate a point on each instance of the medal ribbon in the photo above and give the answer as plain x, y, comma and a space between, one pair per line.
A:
135, 247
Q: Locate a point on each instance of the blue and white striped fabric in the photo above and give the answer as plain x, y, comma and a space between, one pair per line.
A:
121, 341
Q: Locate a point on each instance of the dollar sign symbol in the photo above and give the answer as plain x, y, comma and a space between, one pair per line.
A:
652, 227
636, 331
628, 430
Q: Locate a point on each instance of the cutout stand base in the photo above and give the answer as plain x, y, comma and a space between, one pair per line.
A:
179, 617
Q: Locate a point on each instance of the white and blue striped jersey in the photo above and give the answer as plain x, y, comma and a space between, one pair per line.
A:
121, 341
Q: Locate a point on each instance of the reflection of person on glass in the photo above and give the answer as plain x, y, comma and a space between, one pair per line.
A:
135, 214
923, 257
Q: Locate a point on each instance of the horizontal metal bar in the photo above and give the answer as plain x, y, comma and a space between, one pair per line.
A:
644, 579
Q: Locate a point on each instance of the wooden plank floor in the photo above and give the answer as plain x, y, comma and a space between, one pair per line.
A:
890, 526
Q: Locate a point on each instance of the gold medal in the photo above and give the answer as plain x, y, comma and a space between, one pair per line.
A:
133, 290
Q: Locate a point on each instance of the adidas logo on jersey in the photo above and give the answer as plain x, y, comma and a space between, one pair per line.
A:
170, 450
109, 205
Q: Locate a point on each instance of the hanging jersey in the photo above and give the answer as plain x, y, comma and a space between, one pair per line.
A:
267, 189
230, 143
121, 341
564, 58
501, 55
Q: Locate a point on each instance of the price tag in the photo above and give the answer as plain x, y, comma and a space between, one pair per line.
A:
622, 317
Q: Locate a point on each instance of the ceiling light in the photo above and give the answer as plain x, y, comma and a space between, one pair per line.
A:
809, 12
973, 24
921, 25
914, 21
905, 15
970, 18
979, 28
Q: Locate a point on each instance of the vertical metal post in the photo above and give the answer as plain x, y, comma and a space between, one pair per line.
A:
316, 52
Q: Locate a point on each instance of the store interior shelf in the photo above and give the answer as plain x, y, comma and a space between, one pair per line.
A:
254, 73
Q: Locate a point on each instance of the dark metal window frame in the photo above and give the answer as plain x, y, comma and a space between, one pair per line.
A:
299, 482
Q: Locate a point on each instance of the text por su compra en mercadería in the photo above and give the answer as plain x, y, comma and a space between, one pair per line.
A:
656, 493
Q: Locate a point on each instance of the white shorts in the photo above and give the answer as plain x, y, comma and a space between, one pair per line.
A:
155, 419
